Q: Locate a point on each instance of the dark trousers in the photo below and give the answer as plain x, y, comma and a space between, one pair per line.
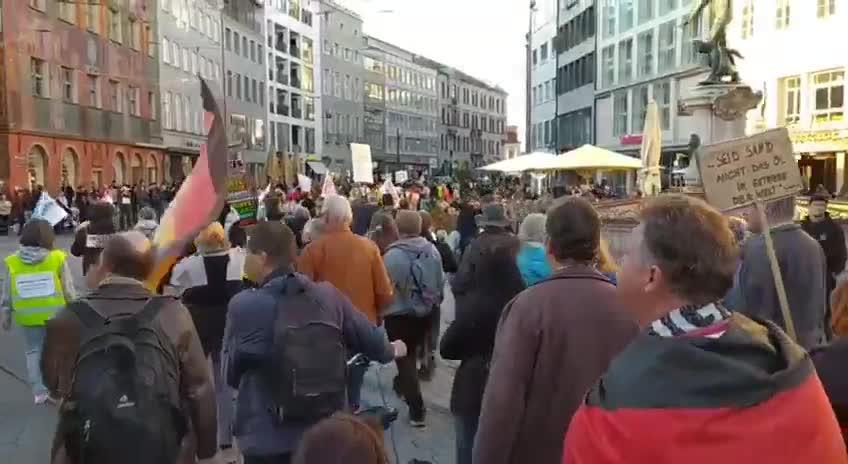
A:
466, 429
277, 459
412, 331
126, 217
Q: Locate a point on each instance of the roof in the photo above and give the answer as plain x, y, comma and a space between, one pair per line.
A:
433, 64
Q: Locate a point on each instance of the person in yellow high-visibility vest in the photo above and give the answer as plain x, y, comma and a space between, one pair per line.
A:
37, 284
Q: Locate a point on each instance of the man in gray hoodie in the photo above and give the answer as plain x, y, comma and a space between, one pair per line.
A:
415, 267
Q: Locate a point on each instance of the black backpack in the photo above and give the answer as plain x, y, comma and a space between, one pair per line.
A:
308, 369
124, 400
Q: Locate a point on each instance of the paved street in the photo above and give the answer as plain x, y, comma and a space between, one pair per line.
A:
26, 430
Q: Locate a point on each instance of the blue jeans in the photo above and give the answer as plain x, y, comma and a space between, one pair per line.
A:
34, 342
466, 429
355, 379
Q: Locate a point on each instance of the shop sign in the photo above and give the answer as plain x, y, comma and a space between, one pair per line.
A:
631, 139
826, 136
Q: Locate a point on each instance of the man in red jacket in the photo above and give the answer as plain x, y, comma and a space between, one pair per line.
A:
701, 385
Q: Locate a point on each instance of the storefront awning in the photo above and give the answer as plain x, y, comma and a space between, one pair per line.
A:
318, 167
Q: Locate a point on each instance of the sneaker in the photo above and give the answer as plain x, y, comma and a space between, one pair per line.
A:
417, 418
41, 398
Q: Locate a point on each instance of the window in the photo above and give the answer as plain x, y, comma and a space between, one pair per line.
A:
646, 11
646, 53
791, 104
68, 12
246, 81
244, 46
186, 60
625, 61
115, 96
608, 66
228, 39
93, 20
229, 83
662, 95
667, 6
782, 17
829, 91
748, 19
608, 24
167, 116
254, 92
40, 77
236, 43
132, 97
640, 106
535, 57
94, 91
113, 17
151, 103
69, 85
175, 54
543, 53
237, 78
667, 46
178, 113
38, 4
625, 16
135, 34
825, 8
194, 64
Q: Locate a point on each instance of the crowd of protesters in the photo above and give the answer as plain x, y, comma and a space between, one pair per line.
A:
679, 352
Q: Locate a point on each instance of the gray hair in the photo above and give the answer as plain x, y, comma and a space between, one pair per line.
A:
301, 213
532, 229
336, 209
312, 230
147, 213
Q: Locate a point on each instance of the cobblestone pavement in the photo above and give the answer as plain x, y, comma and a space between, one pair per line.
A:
26, 430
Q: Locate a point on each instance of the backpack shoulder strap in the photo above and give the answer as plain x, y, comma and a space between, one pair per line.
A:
86, 314
151, 309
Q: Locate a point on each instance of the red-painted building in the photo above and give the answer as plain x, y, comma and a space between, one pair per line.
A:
79, 93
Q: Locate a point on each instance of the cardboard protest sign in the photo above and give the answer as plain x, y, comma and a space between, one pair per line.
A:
740, 172
360, 157
241, 199
49, 210
401, 177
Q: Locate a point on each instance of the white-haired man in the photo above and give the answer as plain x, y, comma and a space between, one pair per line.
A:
351, 263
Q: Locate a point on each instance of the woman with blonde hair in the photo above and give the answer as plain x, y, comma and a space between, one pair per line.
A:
606, 264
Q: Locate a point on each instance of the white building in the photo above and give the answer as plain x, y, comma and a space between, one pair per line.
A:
644, 54
292, 44
802, 80
542, 74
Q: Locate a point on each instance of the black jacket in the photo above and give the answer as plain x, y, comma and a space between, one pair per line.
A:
832, 240
480, 298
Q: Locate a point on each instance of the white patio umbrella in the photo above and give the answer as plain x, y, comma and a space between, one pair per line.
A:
521, 163
589, 158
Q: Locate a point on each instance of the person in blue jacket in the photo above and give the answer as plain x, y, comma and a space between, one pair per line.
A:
532, 258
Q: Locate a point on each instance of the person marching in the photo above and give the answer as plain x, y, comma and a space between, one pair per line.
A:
38, 283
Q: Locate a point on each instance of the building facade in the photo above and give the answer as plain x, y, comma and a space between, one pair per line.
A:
472, 120
575, 79
292, 56
189, 40
342, 84
806, 92
512, 145
411, 99
542, 74
644, 54
244, 82
79, 94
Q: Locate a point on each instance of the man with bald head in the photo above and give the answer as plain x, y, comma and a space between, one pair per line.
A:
118, 294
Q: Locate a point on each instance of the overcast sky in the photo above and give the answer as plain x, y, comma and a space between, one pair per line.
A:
483, 38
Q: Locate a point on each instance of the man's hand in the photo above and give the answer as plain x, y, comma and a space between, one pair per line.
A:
400, 348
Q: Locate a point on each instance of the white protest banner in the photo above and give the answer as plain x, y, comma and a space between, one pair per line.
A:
360, 157
329, 188
389, 188
739, 172
401, 177
49, 210
305, 183
748, 170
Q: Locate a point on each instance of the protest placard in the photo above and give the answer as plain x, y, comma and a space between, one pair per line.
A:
360, 157
240, 198
401, 177
739, 172
753, 170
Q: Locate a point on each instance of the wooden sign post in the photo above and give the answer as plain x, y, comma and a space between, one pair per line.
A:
753, 170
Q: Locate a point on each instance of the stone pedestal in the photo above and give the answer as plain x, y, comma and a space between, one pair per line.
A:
718, 112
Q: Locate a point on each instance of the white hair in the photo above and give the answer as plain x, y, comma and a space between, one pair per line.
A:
336, 210
532, 228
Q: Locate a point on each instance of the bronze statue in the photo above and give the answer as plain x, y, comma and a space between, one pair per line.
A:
722, 58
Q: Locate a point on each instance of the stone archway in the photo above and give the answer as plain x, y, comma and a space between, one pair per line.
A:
152, 169
136, 169
119, 168
37, 166
70, 168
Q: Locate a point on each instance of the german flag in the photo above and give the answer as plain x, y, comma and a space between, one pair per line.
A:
749, 396
201, 197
